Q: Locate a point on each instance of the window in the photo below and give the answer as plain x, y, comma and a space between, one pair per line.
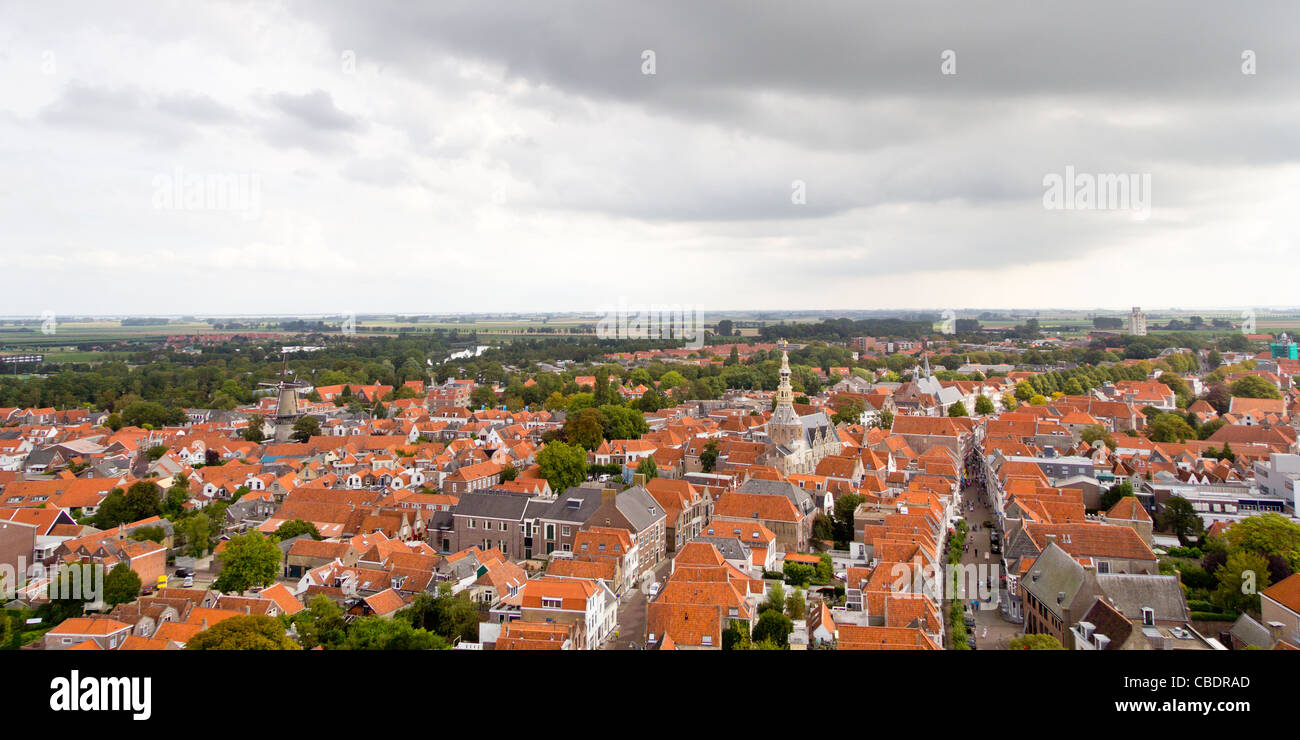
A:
567, 530
503, 526
548, 603
706, 640
469, 524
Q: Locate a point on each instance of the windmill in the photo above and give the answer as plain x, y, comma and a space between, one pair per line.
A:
286, 408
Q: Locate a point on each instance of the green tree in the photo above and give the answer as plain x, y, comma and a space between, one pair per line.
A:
709, 456
320, 624
585, 429
1115, 493
562, 465
245, 632
795, 608
377, 633
296, 527
1241, 579
1036, 642
848, 413
798, 575
842, 519
957, 409
248, 560
648, 468
451, 616
775, 598
1180, 517
774, 626
1266, 534
1170, 428
1095, 433
1253, 386
121, 585
196, 533
305, 428
983, 406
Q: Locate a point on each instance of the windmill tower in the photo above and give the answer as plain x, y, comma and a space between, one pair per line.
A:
286, 408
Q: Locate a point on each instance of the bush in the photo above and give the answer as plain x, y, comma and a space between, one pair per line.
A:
1214, 616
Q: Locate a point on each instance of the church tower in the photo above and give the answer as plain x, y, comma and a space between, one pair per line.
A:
784, 427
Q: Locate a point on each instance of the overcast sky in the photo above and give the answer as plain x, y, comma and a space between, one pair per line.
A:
392, 155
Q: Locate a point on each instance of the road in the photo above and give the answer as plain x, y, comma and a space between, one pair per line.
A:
631, 630
992, 632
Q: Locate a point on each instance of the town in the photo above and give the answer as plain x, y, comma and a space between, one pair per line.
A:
880, 483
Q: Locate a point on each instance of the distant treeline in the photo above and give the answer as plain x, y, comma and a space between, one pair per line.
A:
842, 330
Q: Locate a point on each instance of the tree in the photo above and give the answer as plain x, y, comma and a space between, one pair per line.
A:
983, 405
254, 431
1241, 579
795, 607
648, 468
885, 420
320, 624
152, 534
305, 428
849, 412
563, 466
196, 532
1180, 517
775, 626
842, 519
798, 574
1036, 642
244, 632
483, 397
377, 633
1170, 428
1115, 493
1253, 386
585, 429
724, 328
709, 456
509, 473
451, 616
295, 527
248, 560
141, 501
1266, 534
957, 409
121, 585
775, 598
1097, 433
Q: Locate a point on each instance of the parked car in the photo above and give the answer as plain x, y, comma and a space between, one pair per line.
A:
188, 582
183, 572
653, 590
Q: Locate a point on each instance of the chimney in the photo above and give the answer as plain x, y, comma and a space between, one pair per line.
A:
608, 495
638, 479
1274, 630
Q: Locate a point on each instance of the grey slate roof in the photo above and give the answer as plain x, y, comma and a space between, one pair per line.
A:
1055, 573
493, 504
798, 496
639, 507
730, 547
576, 505
1130, 592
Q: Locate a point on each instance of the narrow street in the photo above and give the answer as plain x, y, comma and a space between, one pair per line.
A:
991, 631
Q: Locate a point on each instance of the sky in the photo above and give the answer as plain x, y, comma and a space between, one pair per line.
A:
323, 157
